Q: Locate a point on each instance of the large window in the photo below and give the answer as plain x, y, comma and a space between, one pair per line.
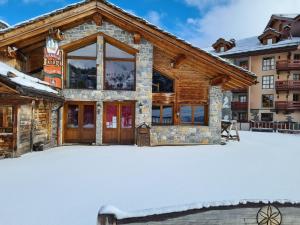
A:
268, 63
162, 115
296, 76
6, 119
267, 101
192, 114
268, 117
119, 71
81, 70
161, 83
268, 82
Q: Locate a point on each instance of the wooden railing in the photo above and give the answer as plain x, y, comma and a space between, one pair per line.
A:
239, 105
287, 85
273, 126
287, 105
283, 65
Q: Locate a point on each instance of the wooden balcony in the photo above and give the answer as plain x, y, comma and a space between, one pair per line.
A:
287, 105
287, 85
239, 105
286, 65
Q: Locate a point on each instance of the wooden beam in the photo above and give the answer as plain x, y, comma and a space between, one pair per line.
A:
9, 51
56, 34
137, 38
220, 80
97, 18
178, 60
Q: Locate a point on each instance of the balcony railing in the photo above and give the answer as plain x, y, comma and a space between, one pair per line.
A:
287, 85
239, 105
287, 105
286, 65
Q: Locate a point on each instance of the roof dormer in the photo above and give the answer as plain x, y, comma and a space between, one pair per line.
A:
269, 36
221, 45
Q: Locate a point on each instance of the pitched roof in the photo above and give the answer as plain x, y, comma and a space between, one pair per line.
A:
21, 79
252, 44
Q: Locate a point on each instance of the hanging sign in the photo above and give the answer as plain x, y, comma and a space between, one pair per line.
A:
53, 65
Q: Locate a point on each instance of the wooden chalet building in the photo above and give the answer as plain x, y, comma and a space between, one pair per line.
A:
116, 71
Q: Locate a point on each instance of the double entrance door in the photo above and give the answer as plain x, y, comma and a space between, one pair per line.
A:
80, 122
119, 123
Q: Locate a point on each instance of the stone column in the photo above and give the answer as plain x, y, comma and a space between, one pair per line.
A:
215, 113
99, 122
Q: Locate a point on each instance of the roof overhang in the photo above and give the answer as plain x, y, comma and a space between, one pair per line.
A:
37, 29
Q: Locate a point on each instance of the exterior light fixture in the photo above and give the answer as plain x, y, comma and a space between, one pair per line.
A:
98, 107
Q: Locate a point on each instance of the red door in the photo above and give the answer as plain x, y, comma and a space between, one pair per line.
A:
118, 123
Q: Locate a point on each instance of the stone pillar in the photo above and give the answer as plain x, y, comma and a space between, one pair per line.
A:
100, 52
99, 121
215, 113
226, 108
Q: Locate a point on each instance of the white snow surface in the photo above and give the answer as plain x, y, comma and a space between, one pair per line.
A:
68, 185
25, 80
253, 44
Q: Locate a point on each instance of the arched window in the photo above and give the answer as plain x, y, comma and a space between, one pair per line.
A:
81, 67
119, 69
161, 83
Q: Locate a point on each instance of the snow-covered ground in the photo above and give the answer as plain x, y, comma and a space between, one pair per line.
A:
68, 185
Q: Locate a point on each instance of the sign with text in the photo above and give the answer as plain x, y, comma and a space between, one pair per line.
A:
53, 66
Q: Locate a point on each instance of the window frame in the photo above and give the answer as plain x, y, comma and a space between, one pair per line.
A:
8, 129
296, 77
161, 114
267, 85
270, 66
262, 99
164, 75
193, 115
117, 60
87, 58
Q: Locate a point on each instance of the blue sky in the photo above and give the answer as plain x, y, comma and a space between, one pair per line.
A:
198, 21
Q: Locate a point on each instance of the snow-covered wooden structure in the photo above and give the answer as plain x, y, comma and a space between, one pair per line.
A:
117, 71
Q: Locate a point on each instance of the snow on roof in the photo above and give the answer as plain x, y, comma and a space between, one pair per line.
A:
24, 80
287, 15
119, 214
140, 19
5, 23
252, 44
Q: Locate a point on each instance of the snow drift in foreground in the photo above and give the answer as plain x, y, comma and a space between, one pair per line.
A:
68, 185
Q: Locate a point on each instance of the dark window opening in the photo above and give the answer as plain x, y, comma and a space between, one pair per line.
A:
161, 83
267, 101
192, 114
296, 97
268, 117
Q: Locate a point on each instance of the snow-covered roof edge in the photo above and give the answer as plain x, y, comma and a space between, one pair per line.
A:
140, 19
25, 80
120, 215
5, 23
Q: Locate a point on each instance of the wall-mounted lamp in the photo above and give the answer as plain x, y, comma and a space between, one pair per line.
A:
140, 108
98, 107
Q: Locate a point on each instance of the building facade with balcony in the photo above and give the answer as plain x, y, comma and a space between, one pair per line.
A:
274, 57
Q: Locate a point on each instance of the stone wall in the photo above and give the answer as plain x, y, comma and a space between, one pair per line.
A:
226, 109
234, 216
183, 134
144, 65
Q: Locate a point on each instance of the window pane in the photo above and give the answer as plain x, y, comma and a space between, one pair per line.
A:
126, 119
199, 115
90, 50
167, 115
114, 52
155, 114
82, 74
161, 83
111, 116
73, 111
6, 119
88, 116
267, 101
119, 75
186, 114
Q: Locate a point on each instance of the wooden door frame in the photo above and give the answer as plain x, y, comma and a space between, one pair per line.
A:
119, 103
65, 114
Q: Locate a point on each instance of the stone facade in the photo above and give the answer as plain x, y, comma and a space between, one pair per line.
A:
177, 135
144, 65
231, 216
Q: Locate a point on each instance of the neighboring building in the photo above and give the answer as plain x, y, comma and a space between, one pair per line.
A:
274, 57
117, 71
